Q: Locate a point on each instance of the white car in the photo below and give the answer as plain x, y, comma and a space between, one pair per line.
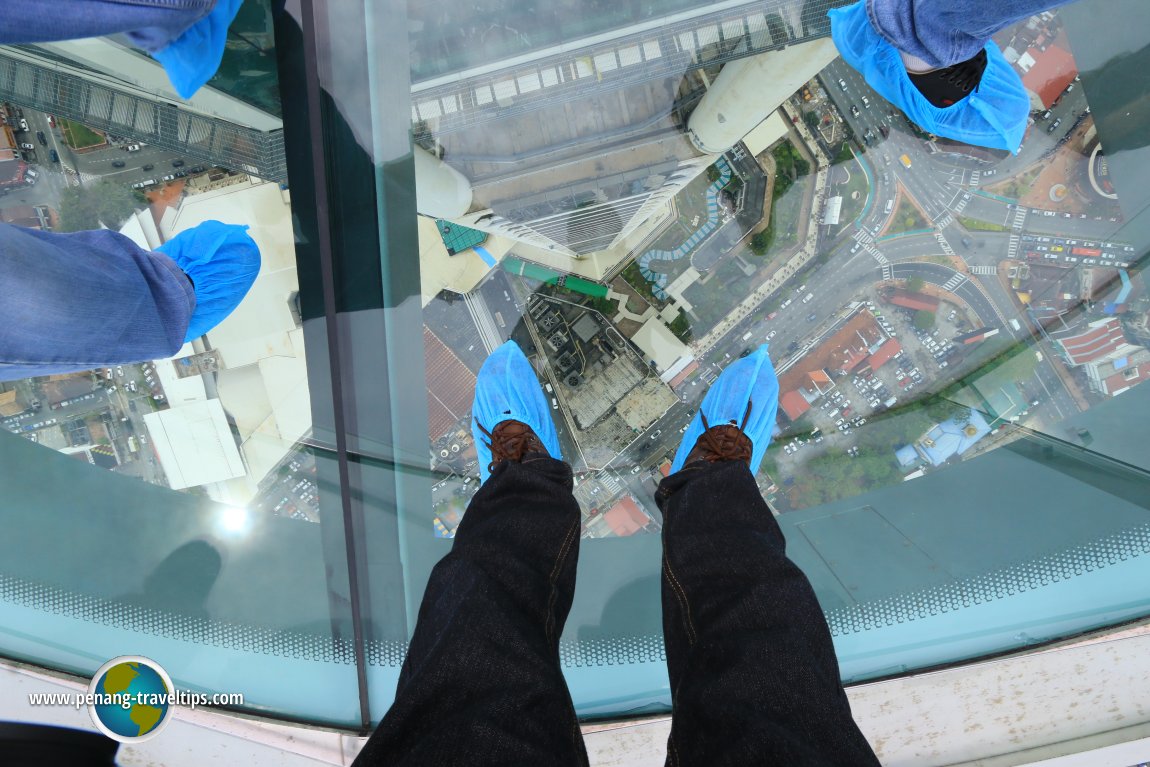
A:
771, 334
133, 147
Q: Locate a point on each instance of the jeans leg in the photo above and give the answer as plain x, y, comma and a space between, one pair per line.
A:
754, 677
76, 301
152, 24
945, 32
482, 683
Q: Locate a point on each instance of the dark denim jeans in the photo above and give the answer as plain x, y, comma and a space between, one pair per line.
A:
754, 678
77, 301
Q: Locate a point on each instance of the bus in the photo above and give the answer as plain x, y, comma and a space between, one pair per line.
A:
1090, 252
905, 160
133, 445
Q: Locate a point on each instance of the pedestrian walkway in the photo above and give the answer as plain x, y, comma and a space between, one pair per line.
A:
659, 280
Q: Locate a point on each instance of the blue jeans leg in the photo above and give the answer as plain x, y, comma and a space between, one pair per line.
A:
76, 301
945, 32
151, 24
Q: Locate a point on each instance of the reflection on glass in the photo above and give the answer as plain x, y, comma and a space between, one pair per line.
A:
960, 336
171, 505
934, 310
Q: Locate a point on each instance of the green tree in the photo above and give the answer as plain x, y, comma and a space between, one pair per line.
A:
940, 410
87, 207
802, 167
761, 241
812, 120
915, 284
923, 320
681, 327
713, 174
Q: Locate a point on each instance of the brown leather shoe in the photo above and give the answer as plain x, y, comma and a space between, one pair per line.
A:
725, 442
511, 441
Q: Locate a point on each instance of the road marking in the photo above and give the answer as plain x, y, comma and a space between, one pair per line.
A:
953, 282
942, 243
1012, 248
979, 269
1019, 217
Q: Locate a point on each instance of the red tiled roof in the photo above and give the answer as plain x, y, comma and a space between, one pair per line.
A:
450, 386
1052, 71
911, 300
683, 375
793, 405
625, 517
1124, 380
884, 353
1098, 341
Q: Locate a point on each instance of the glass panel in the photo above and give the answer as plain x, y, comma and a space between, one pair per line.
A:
637, 196
173, 508
667, 191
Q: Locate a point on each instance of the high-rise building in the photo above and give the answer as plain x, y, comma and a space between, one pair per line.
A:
111, 86
574, 151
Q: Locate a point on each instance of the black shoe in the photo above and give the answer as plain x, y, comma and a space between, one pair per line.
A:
950, 85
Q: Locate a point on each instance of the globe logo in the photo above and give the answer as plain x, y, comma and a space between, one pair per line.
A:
130, 698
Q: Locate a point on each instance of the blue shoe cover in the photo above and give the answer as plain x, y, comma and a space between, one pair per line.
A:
749, 380
193, 58
507, 389
995, 115
222, 261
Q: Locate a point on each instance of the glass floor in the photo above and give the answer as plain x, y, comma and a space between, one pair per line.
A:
961, 335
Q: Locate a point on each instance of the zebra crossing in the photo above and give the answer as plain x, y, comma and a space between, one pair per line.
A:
945, 221
1019, 217
942, 243
987, 270
610, 481
887, 272
951, 284
974, 176
1012, 246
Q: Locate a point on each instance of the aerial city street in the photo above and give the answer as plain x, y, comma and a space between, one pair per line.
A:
924, 302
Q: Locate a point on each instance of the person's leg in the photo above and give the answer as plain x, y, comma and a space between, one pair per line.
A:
482, 682
76, 301
946, 32
754, 677
153, 24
